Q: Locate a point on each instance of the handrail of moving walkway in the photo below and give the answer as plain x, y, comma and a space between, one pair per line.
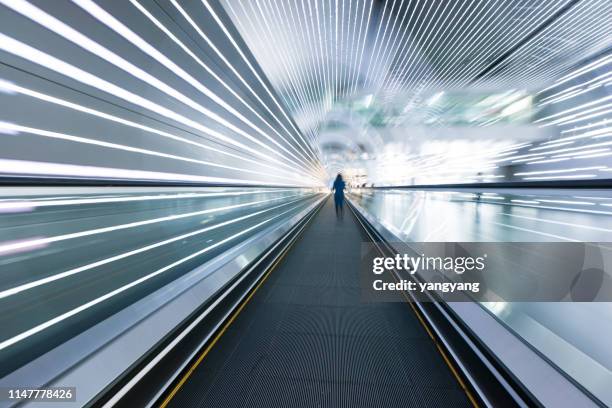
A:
160, 369
480, 374
156, 380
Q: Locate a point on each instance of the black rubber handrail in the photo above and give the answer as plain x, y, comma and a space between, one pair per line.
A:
155, 382
490, 380
581, 184
27, 181
30, 181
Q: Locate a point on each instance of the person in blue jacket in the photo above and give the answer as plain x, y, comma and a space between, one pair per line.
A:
338, 190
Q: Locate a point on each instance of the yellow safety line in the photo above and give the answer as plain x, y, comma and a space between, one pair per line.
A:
439, 348
235, 314
433, 338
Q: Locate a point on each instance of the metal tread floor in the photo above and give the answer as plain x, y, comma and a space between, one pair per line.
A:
306, 340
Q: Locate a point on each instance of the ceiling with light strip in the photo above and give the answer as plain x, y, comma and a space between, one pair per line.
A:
414, 78
289, 92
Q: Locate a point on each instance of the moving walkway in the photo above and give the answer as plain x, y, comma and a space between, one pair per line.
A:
147, 296
298, 333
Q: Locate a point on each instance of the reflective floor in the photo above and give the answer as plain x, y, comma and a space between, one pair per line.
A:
70, 261
493, 216
574, 336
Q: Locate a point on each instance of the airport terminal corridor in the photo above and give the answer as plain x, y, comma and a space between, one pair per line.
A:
172, 174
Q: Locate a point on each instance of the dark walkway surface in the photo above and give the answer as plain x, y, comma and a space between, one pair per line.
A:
306, 340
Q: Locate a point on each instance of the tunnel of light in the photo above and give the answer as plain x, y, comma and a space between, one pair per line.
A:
217, 120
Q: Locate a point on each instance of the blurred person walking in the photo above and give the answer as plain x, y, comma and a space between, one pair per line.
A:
338, 189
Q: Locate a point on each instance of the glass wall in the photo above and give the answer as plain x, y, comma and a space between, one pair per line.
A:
72, 258
573, 336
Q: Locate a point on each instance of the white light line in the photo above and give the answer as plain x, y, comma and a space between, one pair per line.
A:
585, 135
391, 50
365, 35
59, 201
119, 227
256, 36
367, 75
576, 118
323, 60
297, 92
322, 34
579, 149
307, 97
562, 28
114, 24
342, 49
558, 222
245, 59
566, 202
66, 315
336, 42
573, 176
20, 168
312, 113
414, 45
233, 69
36, 56
433, 36
303, 93
316, 57
590, 125
590, 156
526, 159
328, 24
570, 209
576, 89
593, 198
579, 107
559, 170
525, 201
581, 71
450, 56
351, 51
581, 153
382, 46
548, 161
82, 140
536, 232
501, 35
315, 90
550, 146
64, 103
188, 51
43, 281
354, 43
529, 49
468, 37
355, 46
